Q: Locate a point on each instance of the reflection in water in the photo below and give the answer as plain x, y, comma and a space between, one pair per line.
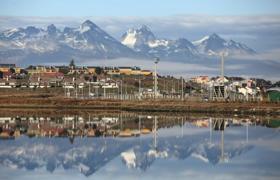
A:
88, 143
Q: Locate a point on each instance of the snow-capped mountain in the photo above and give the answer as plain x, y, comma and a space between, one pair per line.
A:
138, 39
215, 43
84, 42
30, 38
89, 37
145, 42
87, 42
142, 157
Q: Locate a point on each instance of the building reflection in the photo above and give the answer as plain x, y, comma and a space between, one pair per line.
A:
66, 141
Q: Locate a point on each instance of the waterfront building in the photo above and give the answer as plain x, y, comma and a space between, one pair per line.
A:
274, 94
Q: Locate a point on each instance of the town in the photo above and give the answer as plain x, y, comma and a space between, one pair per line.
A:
125, 83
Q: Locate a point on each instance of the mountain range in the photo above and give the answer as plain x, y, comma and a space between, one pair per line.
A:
89, 156
144, 41
89, 42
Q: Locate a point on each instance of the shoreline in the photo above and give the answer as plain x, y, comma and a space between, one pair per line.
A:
58, 103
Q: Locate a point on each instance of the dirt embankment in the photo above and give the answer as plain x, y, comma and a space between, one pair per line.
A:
56, 101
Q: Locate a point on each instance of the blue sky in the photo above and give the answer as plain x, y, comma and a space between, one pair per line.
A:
136, 8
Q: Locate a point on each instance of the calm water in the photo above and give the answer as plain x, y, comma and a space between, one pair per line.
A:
133, 146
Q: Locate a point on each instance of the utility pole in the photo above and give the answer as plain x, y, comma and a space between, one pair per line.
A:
222, 147
164, 88
222, 67
83, 92
247, 131
139, 87
182, 127
139, 124
89, 89
210, 128
65, 89
76, 87
182, 90
155, 132
222, 74
121, 90
178, 87
155, 77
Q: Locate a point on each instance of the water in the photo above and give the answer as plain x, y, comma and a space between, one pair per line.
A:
138, 146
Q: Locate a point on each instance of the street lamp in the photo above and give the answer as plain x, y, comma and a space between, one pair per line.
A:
155, 78
139, 87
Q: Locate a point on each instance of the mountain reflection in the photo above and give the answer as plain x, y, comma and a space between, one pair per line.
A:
89, 143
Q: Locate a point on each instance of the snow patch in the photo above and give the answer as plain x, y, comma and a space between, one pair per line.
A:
157, 43
130, 39
200, 41
129, 158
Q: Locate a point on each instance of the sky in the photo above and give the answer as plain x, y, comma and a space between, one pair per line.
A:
141, 8
253, 22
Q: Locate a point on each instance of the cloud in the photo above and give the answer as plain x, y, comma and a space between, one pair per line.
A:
273, 54
245, 68
259, 32
8, 22
164, 67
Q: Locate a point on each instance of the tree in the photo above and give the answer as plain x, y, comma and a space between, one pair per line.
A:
98, 70
136, 84
263, 83
23, 71
277, 84
12, 70
72, 64
64, 70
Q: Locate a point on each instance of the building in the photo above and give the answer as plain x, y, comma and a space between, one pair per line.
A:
41, 69
6, 75
5, 68
91, 69
34, 81
146, 72
8, 83
201, 79
274, 94
68, 82
62, 69
125, 70
112, 70
51, 79
45, 80
221, 80
136, 71
78, 70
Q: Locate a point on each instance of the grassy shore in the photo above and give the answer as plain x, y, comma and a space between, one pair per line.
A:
55, 101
